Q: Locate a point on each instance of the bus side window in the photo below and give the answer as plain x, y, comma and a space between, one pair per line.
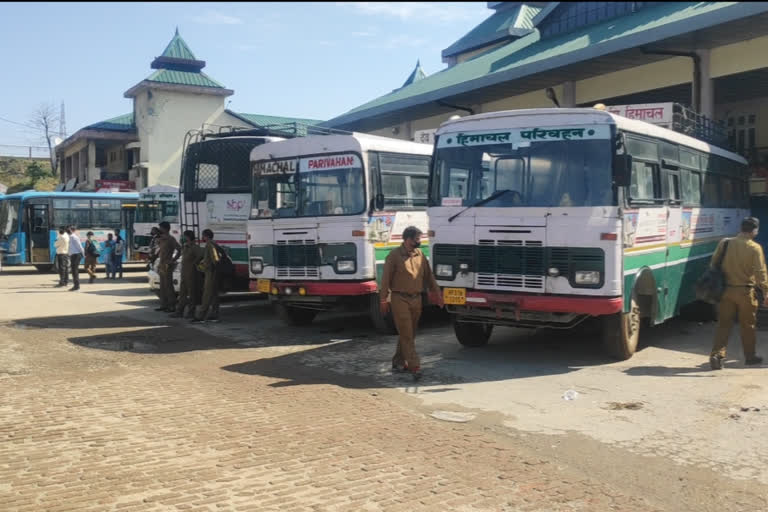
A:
645, 181
710, 197
671, 186
691, 185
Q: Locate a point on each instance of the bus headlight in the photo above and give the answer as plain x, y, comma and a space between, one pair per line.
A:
345, 266
443, 270
586, 277
257, 266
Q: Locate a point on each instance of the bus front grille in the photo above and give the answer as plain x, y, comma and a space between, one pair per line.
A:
297, 258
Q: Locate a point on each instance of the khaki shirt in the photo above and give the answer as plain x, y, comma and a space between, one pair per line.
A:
210, 258
166, 248
191, 255
744, 263
407, 273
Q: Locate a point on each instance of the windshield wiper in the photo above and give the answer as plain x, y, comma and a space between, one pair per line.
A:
488, 199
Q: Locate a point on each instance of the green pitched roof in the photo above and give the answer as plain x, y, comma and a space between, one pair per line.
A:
168, 76
264, 120
416, 75
530, 54
504, 24
178, 49
123, 123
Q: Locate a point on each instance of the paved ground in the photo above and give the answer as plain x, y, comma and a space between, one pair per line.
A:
106, 405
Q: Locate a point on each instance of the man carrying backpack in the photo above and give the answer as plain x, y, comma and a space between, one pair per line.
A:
216, 265
91, 256
117, 255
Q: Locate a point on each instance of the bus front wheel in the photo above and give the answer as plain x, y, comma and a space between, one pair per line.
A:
295, 316
472, 334
44, 268
621, 332
382, 323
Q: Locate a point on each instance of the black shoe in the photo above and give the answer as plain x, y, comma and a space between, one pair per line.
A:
716, 362
196, 321
161, 309
754, 360
74, 288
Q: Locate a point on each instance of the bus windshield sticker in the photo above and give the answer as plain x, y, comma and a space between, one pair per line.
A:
519, 137
329, 163
451, 201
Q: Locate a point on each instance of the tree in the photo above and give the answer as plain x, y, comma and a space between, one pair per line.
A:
46, 119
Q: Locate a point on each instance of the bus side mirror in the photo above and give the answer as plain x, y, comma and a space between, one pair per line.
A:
379, 203
622, 170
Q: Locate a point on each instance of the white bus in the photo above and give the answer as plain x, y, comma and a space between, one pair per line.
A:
156, 204
215, 190
546, 217
326, 211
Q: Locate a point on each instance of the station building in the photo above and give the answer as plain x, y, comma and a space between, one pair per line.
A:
144, 147
711, 57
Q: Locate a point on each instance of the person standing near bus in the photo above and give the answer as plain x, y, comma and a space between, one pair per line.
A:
168, 252
62, 256
117, 255
209, 309
406, 275
109, 248
191, 282
75, 255
744, 267
91, 256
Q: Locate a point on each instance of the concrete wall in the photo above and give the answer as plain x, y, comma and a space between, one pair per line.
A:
163, 118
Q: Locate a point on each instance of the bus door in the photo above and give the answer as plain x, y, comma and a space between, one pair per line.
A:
673, 277
39, 239
129, 217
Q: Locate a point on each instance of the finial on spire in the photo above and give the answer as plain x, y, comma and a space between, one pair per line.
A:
177, 30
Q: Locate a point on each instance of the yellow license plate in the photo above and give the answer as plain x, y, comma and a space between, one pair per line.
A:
263, 285
455, 296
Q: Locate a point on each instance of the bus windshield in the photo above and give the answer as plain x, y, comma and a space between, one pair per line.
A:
9, 217
157, 211
545, 173
308, 187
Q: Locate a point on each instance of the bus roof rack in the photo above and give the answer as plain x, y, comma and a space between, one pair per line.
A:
689, 122
285, 130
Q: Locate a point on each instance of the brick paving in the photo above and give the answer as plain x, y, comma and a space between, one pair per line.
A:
83, 429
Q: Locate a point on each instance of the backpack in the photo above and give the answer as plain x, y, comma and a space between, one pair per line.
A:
90, 249
711, 285
225, 266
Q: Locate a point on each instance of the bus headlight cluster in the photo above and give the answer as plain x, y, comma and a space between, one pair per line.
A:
443, 270
586, 277
257, 266
345, 266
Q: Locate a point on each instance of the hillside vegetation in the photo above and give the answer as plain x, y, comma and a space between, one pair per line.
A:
20, 174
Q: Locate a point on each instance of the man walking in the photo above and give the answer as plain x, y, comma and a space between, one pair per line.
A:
191, 282
75, 255
117, 255
406, 275
62, 256
168, 251
91, 256
743, 264
209, 309
109, 248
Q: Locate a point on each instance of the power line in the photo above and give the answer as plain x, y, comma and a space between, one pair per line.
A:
22, 124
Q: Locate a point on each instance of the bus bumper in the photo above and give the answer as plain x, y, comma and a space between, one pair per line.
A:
595, 306
315, 290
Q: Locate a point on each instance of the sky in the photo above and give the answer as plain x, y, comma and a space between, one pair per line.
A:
311, 60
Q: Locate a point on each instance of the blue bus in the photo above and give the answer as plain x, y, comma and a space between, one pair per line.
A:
29, 222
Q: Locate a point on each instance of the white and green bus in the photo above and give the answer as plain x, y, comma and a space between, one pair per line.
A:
326, 210
547, 217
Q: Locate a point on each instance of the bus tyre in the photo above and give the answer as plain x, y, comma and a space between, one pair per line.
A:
621, 332
295, 316
382, 323
472, 334
44, 268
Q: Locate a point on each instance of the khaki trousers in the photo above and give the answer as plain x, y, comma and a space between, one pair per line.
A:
209, 308
90, 265
167, 293
406, 312
737, 303
190, 290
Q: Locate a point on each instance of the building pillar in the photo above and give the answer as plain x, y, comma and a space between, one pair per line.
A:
706, 84
569, 94
91, 159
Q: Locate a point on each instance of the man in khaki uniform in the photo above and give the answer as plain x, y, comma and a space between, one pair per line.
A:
406, 275
744, 269
191, 280
168, 251
209, 309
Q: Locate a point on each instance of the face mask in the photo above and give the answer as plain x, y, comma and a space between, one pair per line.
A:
755, 232
416, 245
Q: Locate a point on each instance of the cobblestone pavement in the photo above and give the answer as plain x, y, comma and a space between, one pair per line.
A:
162, 424
121, 409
